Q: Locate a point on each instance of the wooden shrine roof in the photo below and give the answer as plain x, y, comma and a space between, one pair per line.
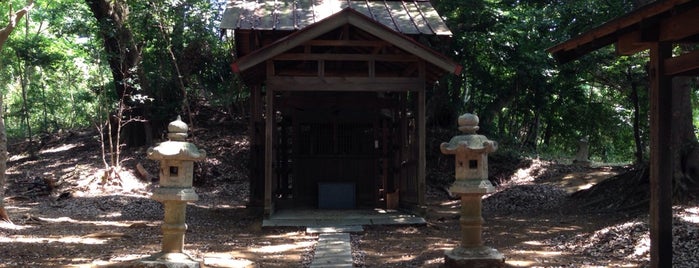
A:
674, 21
438, 64
416, 17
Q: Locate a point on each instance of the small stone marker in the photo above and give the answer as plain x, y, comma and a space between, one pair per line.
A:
582, 157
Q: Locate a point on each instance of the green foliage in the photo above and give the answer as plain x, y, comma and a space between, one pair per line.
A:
185, 27
523, 97
46, 70
59, 59
54, 73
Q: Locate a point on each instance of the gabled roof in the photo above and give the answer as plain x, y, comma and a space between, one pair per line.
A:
344, 17
664, 21
407, 17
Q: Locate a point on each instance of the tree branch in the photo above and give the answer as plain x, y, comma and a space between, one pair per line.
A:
14, 20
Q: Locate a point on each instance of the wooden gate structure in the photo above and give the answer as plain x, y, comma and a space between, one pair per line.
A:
657, 27
337, 92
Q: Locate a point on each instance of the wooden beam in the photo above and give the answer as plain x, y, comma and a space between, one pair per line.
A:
607, 33
347, 43
325, 102
630, 43
680, 26
345, 84
345, 57
661, 157
685, 64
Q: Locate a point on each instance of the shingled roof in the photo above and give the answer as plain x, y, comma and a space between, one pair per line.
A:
414, 17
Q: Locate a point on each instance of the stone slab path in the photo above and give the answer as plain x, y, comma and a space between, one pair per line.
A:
333, 250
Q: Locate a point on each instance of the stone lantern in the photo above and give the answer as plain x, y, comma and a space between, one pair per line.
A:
471, 183
176, 158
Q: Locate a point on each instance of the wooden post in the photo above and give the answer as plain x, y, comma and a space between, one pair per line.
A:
661, 157
422, 135
269, 128
269, 135
422, 156
256, 174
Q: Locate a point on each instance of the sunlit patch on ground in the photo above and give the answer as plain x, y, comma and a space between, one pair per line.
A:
61, 239
283, 248
61, 148
689, 214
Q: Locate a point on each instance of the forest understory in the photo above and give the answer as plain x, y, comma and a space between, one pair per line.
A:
540, 216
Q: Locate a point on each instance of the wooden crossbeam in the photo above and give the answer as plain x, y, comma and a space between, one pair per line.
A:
348, 43
344, 57
685, 64
345, 84
679, 26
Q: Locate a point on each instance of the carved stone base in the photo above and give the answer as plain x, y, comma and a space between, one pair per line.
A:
476, 257
164, 260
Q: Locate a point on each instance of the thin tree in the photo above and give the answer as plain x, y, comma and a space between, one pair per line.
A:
4, 35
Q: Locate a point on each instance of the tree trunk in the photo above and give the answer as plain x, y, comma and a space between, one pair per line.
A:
14, 19
637, 124
487, 116
3, 166
684, 139
122, 54
124, 57
4, 35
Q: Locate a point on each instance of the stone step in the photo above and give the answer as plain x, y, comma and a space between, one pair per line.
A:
334, 229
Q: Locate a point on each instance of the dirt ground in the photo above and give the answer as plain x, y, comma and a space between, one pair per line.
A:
65, 216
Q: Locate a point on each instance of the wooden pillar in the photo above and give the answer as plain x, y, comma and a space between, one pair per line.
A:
269, 142
269, 132
661, 157
422, 156
256, 169
422, 135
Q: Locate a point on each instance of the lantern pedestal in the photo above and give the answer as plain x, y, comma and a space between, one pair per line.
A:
471, 252
176, 158
475, 257
471, 182
167, 260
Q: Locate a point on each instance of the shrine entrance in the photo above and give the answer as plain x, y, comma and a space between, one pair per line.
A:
356, 146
